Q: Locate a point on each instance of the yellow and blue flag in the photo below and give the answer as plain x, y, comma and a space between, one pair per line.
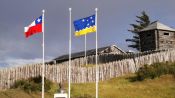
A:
85, 25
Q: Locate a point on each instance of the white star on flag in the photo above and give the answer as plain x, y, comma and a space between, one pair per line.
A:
38, 20
83, 20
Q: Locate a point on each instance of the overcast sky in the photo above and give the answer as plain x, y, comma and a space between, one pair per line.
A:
114, 17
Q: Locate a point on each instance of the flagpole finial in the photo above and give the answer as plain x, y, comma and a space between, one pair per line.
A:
43, 10
70, 9
96, 9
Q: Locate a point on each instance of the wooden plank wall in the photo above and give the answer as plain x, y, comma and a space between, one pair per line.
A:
106, 58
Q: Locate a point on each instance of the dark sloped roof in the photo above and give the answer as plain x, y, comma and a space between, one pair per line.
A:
88, 53
157, 25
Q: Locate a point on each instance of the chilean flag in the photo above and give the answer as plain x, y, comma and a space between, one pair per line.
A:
34, 27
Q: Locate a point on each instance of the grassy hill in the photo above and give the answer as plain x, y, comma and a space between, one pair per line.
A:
122, 87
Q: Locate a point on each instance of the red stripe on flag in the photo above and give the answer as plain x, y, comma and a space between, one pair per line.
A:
33, 30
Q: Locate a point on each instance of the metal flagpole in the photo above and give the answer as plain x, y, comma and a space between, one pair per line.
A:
43, 68
85, 50
69, 49
96, 9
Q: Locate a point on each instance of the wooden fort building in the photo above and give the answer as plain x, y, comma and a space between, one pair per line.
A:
112, 49
157, 36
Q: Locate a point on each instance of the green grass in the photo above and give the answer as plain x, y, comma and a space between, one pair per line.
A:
15, 93
163, 87
122, 87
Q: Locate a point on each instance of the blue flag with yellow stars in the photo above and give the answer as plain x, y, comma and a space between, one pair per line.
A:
85, 25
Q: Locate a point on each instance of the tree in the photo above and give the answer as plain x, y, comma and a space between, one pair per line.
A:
141, 22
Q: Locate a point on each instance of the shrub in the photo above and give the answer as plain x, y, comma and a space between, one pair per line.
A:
155, 70
18, 84
32, 84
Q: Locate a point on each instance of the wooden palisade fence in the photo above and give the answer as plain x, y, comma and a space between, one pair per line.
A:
59, 72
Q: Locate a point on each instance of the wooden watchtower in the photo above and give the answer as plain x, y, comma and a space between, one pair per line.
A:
157, 36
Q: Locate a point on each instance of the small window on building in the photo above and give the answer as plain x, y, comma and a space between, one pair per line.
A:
171, 42
166, 33
148, 35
